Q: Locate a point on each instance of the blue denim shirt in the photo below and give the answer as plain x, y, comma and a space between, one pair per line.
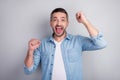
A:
72, 47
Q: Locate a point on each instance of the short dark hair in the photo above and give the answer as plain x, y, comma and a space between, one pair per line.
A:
58, 10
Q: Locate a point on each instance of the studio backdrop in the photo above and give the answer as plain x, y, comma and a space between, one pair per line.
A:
21, 20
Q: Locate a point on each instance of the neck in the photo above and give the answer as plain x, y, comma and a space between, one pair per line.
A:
60, 38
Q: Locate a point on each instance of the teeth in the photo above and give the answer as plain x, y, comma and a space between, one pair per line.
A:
58, 27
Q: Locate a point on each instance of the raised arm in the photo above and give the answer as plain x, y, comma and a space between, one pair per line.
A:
90, 28
96, 40
30, 57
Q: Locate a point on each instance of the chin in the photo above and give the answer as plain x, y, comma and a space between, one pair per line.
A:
60, 35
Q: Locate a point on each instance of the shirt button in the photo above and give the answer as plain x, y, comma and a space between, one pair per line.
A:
51, 64
52, 55
50, 73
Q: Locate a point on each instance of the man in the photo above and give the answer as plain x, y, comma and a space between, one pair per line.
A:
60, 55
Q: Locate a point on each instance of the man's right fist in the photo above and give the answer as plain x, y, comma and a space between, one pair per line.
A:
33, 44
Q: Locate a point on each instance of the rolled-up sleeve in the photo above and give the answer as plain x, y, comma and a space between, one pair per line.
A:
36, 58
94, 42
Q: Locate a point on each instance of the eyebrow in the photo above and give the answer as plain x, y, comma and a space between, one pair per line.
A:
61, 17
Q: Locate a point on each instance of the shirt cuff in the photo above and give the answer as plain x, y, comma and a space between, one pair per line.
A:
99, 35
29, 69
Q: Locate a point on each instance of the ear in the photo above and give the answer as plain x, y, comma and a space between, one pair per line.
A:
50, 23
67, 23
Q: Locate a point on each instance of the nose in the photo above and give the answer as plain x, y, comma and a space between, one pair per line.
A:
58, 22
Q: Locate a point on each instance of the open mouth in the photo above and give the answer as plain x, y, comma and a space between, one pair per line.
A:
59, 29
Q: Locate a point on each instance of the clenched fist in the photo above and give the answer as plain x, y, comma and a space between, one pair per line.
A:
81, 17
33, 44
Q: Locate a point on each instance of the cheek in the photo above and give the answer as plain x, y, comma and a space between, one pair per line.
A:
53, 25
67, 24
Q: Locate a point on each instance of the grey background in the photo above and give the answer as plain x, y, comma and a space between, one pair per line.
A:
21, 20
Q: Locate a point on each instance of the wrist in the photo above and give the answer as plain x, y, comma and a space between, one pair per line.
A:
30, 52
85, 22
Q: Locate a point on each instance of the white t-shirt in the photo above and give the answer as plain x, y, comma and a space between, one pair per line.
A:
58, 67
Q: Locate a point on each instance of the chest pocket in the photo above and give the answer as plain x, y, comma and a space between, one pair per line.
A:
74, 55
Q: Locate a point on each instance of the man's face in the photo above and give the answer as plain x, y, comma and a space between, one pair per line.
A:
59, 23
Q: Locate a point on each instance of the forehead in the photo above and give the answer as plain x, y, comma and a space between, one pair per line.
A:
59, 14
